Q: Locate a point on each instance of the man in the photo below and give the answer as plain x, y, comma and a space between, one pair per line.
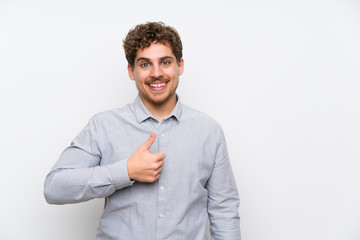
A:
164, 187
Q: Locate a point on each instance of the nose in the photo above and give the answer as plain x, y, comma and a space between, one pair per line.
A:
156, 71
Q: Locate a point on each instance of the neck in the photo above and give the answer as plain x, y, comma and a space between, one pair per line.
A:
161, 111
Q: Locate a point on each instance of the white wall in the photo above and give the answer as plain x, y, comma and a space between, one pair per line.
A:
281, 77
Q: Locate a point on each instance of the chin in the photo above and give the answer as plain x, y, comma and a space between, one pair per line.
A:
160, 99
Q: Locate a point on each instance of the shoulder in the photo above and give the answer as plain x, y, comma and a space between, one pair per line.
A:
114, 113
112, 117
200, 120
191, 114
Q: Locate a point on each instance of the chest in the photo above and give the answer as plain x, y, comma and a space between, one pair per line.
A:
190, 151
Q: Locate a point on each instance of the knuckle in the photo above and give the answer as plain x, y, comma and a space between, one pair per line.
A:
154, 165
152, 178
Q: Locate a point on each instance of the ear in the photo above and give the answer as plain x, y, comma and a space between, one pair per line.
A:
181, 67
131, 72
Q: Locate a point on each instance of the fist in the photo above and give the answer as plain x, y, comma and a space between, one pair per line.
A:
144, 166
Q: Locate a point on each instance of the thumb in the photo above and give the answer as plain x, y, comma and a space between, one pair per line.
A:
149, 141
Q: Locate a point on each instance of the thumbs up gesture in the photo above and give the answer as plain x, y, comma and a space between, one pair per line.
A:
144, 166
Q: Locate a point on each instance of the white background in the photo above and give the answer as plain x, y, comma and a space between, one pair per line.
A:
281, 77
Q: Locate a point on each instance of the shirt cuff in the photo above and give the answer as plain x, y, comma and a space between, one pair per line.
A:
119, 174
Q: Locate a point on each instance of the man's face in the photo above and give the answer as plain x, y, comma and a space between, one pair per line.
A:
156, 74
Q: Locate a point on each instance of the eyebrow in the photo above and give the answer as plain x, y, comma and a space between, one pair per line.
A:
148, 60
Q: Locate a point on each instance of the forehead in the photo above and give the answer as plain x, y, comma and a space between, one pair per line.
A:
155, 51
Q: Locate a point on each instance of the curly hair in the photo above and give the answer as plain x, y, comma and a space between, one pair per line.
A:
143, 35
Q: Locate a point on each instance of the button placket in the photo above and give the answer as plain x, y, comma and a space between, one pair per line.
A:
162, 180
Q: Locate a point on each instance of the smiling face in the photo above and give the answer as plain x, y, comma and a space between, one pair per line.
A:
156, 74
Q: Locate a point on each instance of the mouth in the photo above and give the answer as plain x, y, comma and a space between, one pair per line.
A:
157, 86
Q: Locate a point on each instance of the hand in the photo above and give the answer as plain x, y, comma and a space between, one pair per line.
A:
144, 166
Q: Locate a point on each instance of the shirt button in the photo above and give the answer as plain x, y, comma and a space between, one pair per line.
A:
161, 215
162, 188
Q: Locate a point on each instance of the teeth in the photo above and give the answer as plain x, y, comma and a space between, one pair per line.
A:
158, 85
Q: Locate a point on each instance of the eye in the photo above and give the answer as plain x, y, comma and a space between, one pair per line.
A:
145, 64
165, 62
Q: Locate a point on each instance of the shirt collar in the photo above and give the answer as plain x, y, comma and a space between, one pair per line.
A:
142, 113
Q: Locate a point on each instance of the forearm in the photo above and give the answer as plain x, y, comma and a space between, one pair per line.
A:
223, 206
225, 223
69, 185
223, 199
